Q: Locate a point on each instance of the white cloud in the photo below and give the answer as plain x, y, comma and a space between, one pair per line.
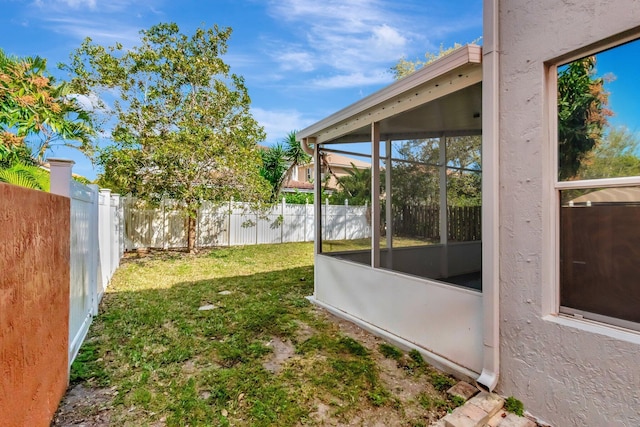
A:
54, 6
352, 37
100, 32
348, 37
105, 21
91, 4
278, 123
296, 60
353, 80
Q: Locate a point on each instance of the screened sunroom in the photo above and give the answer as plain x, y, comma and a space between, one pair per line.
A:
417, 277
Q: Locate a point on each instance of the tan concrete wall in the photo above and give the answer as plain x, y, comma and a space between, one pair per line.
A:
566, 375
34, 305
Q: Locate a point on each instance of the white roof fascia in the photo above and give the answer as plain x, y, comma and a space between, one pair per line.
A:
448, 74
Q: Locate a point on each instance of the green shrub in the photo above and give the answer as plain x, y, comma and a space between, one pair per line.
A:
514, 405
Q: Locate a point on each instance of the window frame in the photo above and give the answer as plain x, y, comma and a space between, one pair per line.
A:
551, 308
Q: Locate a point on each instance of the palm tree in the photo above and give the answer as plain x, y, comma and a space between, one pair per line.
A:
294, 153
274, 168
280, 160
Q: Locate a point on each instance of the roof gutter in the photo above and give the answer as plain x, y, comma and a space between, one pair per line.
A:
490, 190
306, 145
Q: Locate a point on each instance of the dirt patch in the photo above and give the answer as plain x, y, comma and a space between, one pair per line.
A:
86, 407
282, 351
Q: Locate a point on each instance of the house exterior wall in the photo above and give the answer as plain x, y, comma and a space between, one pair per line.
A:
567, 372
34, 304
340, 166
407, 310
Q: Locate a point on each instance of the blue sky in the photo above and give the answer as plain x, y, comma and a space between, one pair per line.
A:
302, 59
622, 63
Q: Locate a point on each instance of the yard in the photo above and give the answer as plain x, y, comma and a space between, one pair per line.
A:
227, 337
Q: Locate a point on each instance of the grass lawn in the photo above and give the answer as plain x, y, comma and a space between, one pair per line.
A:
365, 244
260, 355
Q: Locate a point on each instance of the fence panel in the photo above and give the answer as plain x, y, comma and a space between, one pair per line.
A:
244, 225
83, 292
270, 228
295, 223
334, 222
213, 224
357, 224
237, 223
34, 304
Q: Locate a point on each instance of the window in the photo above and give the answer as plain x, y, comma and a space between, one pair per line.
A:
309, 174
598, 186
346, 213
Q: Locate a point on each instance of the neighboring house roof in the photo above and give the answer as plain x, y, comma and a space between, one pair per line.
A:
337, 160
611, 195
297, 185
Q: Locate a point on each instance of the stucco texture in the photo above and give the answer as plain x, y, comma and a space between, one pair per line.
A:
563, 374
34, 305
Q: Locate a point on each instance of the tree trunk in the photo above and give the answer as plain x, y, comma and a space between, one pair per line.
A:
191, 232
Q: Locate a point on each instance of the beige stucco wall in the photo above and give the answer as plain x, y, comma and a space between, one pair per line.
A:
564, 373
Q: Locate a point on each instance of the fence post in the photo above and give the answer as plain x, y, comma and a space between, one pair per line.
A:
165, 225
61, 176
284, 203
94, 271
105, 241
229, 227
120, 211
346, 220
326, 219
115, 231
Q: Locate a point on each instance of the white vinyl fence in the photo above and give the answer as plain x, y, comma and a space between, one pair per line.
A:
236, 223
97, 245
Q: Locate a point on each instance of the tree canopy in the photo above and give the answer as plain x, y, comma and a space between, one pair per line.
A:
181, 125
616, 155
37, 112
582, 114
405, 67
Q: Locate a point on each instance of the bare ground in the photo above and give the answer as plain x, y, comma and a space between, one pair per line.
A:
91, 407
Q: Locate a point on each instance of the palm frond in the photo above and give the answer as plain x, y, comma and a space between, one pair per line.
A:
26, 176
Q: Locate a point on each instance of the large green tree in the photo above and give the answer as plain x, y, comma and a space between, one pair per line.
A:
182, 128
37, 112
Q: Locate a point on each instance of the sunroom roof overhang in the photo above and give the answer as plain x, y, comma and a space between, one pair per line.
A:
445, 97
